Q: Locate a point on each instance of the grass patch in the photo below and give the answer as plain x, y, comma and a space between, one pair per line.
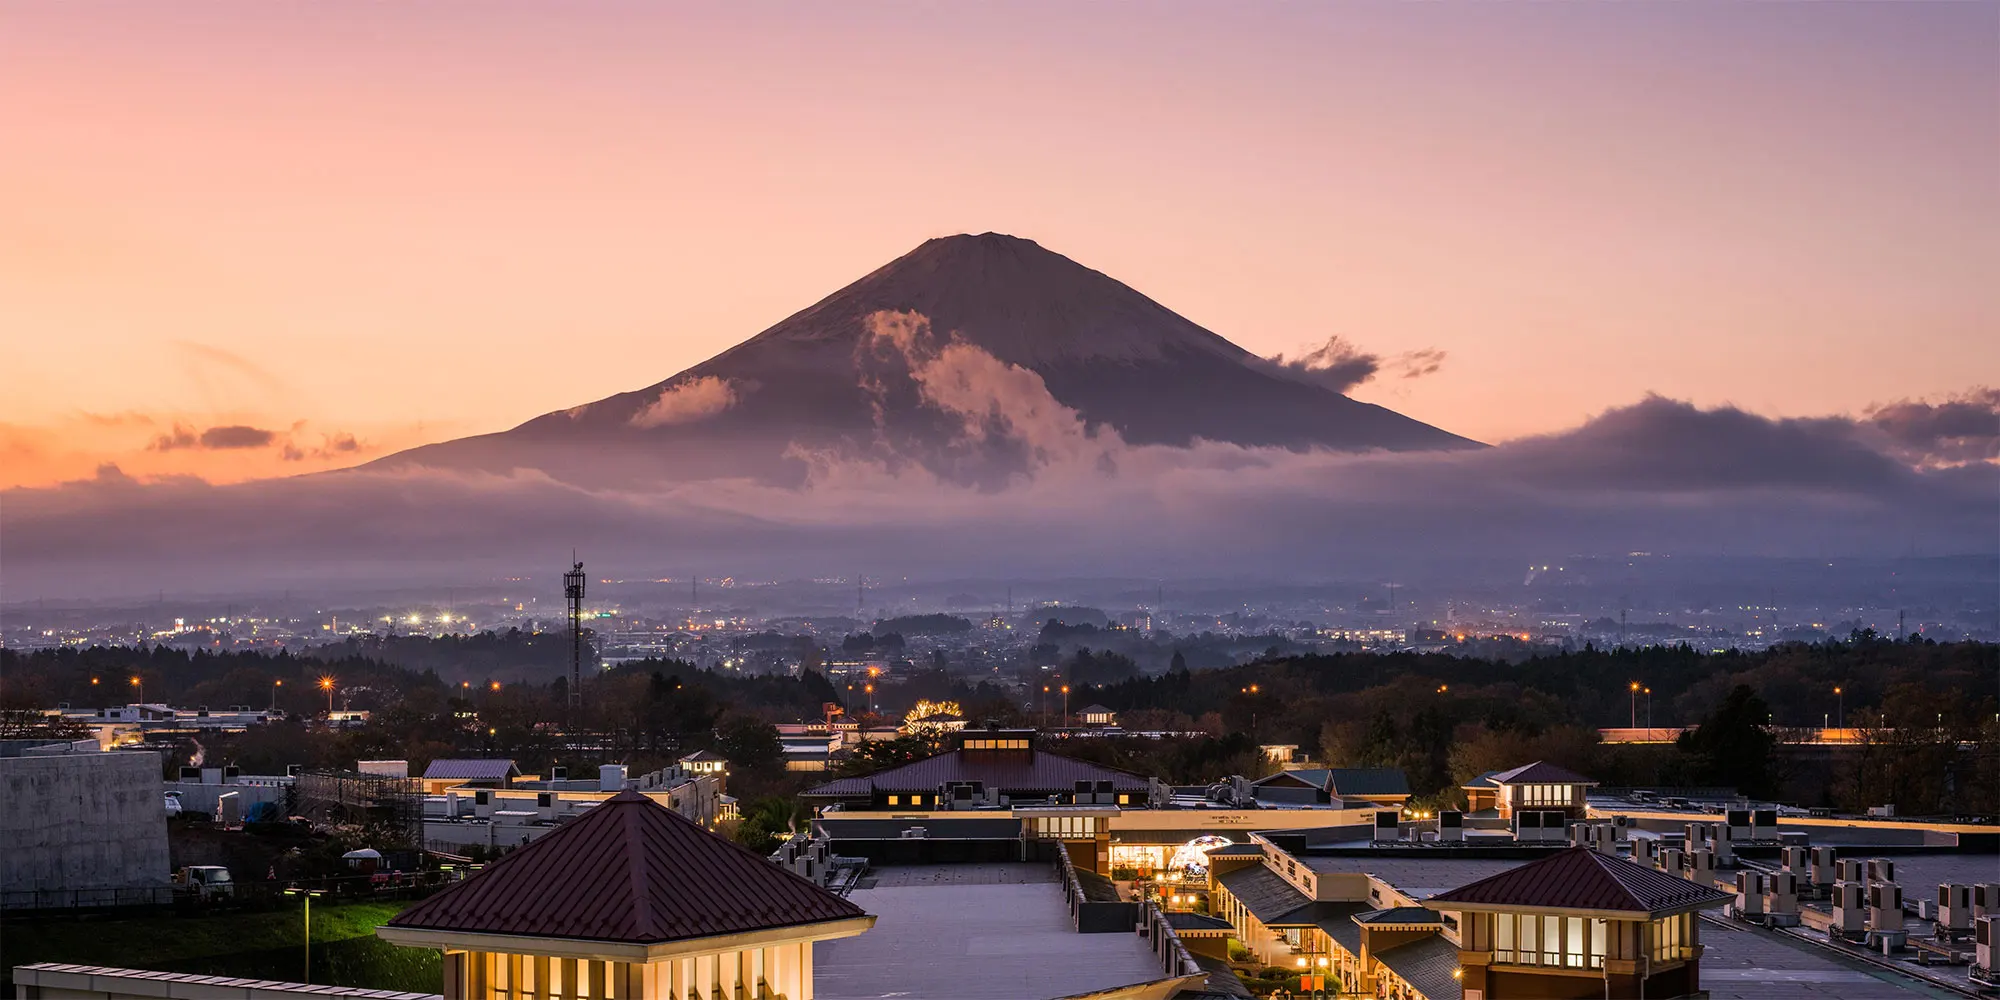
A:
262, 944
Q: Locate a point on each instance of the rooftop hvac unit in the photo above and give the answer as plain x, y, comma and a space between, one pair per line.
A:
1700, 867
1885, 907
191, 774
1986, 941
1849, 915
1986, 899
1781, 895
230, 773
1451, 825
1822, 870
1646, 851
1954, 908
1622, 825
1750, 893
1881, 870
545, 805
1793, 858
1670, 860
1386, 825
558, 772
1851, 870
1764, 823
482, 804
293, 770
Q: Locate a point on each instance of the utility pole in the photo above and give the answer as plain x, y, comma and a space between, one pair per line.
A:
1621, 628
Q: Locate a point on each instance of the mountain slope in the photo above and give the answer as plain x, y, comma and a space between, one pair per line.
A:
821, 379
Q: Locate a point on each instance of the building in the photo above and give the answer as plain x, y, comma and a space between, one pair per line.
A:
1098, 715
465, 816
1579, 924
705, 762
629, 900
80, 826
1356, 787
468, 773
1540, 786
992, 768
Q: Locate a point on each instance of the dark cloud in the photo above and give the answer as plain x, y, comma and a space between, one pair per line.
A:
1659, 475
334, 446
1341, 366
1336, 364
1964, 428
223, 438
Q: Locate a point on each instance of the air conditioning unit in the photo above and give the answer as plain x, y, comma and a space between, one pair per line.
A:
1646, 851
482, 804
1851, 870
545, 805
1850, 917
1781, 895
1749, 894
1451, 826
1793, 858
1672, 860
558, 772
1986, 899
1764, 824
1986, 949
1823, 870
1700, 867
1387, 826
1885, 907
1954, 908
1881, 870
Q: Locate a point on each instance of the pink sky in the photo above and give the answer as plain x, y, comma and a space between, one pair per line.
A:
407, 223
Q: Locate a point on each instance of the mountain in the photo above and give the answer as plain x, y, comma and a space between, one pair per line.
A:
825, 380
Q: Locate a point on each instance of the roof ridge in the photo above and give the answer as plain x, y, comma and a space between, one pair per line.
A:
639, 862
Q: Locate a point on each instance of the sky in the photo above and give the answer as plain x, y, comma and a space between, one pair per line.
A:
242, 240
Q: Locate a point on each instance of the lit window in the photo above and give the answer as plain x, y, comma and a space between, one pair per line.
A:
895, 799
1124, 800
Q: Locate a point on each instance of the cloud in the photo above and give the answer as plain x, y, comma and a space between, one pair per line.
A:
331, 447
1962, 428
685, 402
1341, 366
974, 467
223, 438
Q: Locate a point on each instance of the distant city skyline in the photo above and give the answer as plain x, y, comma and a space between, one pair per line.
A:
249, 241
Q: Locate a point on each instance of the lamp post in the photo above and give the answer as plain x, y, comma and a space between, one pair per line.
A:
275, 685
1065, 692
1635, 705
1840, 693
326, 684
1649, 711
308, 894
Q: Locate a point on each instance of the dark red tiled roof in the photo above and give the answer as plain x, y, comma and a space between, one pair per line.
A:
1011, 771
1540, 772
1582, 879
631, 871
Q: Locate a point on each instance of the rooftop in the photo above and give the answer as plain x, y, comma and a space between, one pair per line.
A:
1367, 781
1426, 964
1035, 772
471, 770
628, 871
1540, 772
974, 932
1582, 879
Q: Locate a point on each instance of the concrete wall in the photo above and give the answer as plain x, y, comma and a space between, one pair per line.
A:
82, 821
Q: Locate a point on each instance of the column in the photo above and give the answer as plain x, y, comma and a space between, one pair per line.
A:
454, 975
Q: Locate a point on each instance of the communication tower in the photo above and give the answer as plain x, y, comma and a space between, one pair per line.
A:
573, 593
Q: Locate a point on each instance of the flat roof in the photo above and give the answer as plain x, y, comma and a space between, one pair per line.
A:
997, 931
1415, 876
1741, 963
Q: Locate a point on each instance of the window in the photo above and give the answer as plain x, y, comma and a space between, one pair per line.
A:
895, 800
1124, 800
916, 800
1672, 938
1536, 939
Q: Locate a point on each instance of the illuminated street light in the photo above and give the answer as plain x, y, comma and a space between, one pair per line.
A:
308, 894
141, 685
326, 684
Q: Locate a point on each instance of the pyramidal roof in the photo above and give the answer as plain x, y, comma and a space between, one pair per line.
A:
630, 871
1582, 879
1539, 771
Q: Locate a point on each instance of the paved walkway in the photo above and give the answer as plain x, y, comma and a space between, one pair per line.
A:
976, 932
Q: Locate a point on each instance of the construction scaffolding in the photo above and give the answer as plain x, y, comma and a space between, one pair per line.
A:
392, 808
